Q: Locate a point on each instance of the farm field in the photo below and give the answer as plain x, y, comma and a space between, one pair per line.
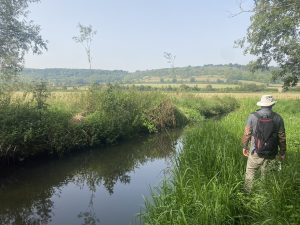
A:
154, 79
200, 85
241, 86
207, 182
289, 95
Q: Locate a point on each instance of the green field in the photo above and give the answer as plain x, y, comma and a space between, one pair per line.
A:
200, 85
206, 186
284, 95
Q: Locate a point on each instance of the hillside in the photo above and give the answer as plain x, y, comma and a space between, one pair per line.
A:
208, 73
230, 73
73, 77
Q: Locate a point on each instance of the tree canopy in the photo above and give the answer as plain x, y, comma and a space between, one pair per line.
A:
18, 35
274, 37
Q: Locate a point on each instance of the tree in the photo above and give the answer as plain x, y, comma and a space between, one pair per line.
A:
274, 36
170, 60
85, 37
18, 35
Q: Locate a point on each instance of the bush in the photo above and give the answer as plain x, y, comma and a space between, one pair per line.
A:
111, 114
26, 132
33, 127
120, 114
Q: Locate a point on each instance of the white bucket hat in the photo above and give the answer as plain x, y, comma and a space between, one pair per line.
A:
266, 100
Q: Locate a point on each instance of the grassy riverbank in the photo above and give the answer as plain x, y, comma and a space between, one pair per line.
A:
207, 182
53, 124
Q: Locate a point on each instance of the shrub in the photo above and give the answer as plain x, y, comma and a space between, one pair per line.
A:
29, 128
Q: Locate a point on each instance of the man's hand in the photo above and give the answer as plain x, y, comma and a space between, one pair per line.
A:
245, 152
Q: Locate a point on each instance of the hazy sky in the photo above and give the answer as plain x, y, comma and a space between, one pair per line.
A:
133, 34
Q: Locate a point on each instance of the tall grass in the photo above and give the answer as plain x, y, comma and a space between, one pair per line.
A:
197, 109
57, 123
105, 116
207, 181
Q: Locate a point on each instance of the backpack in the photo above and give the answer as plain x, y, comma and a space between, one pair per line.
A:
265, 136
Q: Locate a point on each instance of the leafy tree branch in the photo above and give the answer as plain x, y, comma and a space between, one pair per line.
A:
274, 37
18, 35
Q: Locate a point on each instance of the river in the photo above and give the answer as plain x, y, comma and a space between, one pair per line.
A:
100, 186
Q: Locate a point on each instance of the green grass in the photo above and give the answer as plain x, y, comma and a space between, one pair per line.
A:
105, 116
206, 186
69, 121
197, 109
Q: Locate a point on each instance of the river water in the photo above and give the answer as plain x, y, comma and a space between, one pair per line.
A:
102, 186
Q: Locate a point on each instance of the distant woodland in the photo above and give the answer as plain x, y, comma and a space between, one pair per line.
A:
229, 73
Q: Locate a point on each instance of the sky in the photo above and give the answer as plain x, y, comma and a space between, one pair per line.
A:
133, 34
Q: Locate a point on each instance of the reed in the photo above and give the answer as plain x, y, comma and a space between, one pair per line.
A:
53, 124
206, 186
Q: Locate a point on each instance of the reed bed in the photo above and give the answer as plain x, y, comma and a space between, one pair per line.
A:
206, 185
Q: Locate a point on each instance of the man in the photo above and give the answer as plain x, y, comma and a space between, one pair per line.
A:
264, 131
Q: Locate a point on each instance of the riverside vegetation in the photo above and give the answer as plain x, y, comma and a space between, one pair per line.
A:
206, 186
39, 123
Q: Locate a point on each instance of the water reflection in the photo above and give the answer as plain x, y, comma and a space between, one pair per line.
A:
89, 217
31, 195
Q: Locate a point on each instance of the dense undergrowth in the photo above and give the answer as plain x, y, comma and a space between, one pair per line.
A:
105, 116
207, 180
40, 123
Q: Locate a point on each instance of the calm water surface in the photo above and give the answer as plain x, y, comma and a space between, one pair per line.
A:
104, 186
